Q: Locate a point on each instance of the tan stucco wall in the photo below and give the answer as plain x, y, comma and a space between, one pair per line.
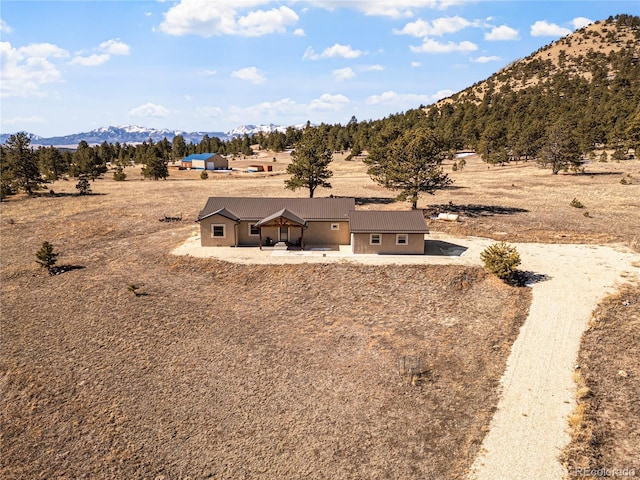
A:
244, 238
206, 234
388, 245
320, 233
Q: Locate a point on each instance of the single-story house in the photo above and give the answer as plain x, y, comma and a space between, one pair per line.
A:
309, 222
205, 161
388, 232
242, 221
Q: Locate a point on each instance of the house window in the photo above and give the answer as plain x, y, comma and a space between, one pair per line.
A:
335, 226
402, 239
375, 239
253, 230
218, 231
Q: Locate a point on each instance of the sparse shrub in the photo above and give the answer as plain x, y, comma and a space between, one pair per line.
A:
46, 257
204, 175
454, 167
133, 288
461, 163
604, 157
623, 181
501, 259
586, 214
575, 203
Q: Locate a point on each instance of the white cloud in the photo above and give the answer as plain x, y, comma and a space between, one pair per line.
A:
329, 102
149, 110
23, 120
299, 32
502, 32
432, 46
259, 23
250, 74
395, 9
91, 60
580, 22
486, 59
115, 47
542, 28
374, 68
440, 94
343, 74
437, 27
210, 111
106, 50
4, 27
209, 73
23, 70
393, 98
337, 50
208, 19
416, 64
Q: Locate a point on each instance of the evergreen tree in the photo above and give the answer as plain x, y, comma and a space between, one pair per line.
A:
310, 163
52, 163
87, 162
411, 164
46, 257
178, 148
20, 166
155, 165
83, 185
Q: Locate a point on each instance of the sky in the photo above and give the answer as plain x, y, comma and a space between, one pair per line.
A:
213, 65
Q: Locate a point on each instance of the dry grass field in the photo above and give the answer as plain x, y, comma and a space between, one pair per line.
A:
606, 435
219, 370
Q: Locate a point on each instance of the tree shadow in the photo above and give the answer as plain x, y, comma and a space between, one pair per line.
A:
526, 278
596, 174
53, 194
374, 200
473, 210
64, 268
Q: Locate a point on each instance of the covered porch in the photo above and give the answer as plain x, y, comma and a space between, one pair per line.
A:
282, 230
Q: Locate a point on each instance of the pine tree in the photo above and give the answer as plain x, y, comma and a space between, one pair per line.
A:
310, 163
155, 165
20, 166
411, 164
46, 257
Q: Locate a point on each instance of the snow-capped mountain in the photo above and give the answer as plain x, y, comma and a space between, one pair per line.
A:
134, 134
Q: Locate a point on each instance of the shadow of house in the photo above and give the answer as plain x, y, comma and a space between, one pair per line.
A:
443, 249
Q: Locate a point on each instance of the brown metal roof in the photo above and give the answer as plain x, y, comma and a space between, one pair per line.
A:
256, 208
284, 213
370, 221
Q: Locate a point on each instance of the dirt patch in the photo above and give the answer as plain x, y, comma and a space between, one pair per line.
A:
605, 434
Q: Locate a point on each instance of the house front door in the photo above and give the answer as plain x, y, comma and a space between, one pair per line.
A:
284, 234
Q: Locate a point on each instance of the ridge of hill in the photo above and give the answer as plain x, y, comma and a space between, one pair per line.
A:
586, 84
576, 54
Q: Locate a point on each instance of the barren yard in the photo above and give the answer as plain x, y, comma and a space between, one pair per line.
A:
220, 370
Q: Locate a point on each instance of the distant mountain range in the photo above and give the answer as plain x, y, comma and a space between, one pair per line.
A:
133, 134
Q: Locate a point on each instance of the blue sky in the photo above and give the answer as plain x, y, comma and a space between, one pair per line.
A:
212, 65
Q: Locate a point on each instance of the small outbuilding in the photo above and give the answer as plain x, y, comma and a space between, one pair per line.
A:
388, 232
205, 161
